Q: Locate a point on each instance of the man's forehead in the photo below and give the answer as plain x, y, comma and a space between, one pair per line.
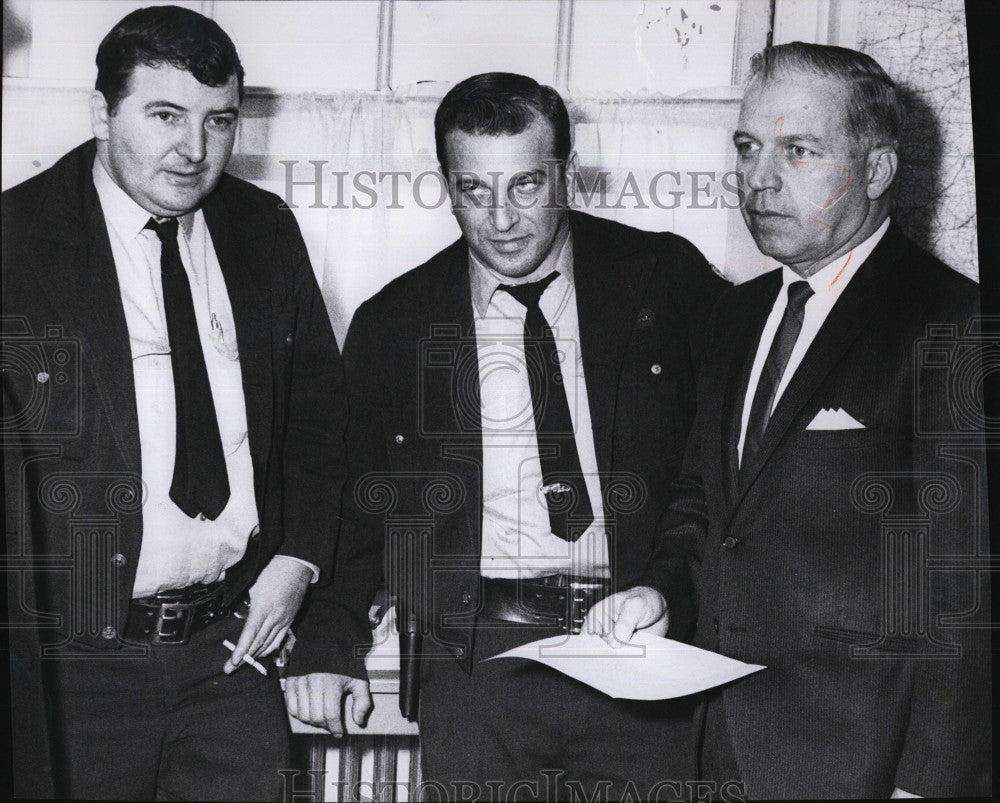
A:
167, 82
795, 103
535, 143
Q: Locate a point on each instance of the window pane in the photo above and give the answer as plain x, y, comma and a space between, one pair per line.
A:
304, 45
65, 35
668, 47
450, 40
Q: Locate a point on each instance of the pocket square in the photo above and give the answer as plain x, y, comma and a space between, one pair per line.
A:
834, 419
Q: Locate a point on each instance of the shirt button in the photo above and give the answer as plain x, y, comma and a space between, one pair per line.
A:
108, 632
656, 368
119, 559
42, 377
399, 439
201, 517
731, 542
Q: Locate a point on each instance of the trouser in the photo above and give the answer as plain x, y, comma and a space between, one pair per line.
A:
170, 725
518, 730
716, 759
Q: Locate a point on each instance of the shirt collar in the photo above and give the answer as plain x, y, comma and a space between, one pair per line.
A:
833, 278
484, 280
121, 212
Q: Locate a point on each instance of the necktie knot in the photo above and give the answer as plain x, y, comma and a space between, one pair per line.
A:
530, 293
166, 230
798, 294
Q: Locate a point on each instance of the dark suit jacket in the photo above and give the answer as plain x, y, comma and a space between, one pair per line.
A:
415, 441
812, 559
71, 444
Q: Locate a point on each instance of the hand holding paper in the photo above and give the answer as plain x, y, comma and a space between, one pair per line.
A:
647, 668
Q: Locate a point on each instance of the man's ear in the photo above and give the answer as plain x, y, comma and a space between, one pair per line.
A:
882, 165
572, 173
99, 115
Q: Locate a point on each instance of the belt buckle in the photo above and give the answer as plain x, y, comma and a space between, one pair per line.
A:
173, 623
581, 597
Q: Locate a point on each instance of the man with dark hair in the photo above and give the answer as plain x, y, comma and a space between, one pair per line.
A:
172, 438
520, 404
833, 493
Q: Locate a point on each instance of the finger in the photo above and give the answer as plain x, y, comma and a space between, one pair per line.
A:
333, 701
599, 619
247, 635
292, 697
275, 642
627, 622
361, 703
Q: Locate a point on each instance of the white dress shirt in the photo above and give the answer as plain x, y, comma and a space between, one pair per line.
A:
177, 550
827, 284
517, 540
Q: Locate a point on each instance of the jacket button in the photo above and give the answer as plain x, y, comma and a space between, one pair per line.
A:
715, 624
290, 338
459, 652
119, 560
656, 369
466, 598
42, 377
108, 632
731, 542
399, 439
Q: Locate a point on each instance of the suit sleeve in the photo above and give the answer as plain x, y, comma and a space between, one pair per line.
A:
334, 634
947, 746
313, 460
684, 518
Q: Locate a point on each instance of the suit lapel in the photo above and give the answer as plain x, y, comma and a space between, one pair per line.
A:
243, 239
750, 316
77, 273
860, 301
608, 292
449, 400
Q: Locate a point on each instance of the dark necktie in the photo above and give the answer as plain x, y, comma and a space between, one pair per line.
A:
564, 488
774, 367
200, 483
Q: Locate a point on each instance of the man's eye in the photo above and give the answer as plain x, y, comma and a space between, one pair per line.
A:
166, 117
744, 149
799, 152
221, 123
526, 185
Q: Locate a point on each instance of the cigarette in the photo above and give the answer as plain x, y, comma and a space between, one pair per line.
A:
246, 658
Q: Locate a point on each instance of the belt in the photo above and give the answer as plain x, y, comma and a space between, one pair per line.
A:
556, 600
172, 617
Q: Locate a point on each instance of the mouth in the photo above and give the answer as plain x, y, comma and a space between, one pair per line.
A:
765, 213
184, 178
509, 246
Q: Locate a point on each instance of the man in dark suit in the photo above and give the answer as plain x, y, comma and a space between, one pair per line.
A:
519, 405
832, 494
173, 414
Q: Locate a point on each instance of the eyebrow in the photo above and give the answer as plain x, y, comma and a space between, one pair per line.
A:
161, 104
784, 138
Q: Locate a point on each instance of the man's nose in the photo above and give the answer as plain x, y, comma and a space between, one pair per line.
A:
192, 143
504, 216
762, 173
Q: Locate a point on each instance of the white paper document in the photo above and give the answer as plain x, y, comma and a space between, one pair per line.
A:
647, 668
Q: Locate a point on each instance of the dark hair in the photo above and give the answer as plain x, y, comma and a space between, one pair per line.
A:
165, 35
500, 103
875, 111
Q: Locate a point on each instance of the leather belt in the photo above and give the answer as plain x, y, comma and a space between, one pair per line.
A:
556, 600
172, 617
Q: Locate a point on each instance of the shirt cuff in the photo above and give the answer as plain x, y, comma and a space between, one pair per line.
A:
311, 566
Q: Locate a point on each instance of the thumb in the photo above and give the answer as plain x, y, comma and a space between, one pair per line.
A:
361, 702
628, 619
